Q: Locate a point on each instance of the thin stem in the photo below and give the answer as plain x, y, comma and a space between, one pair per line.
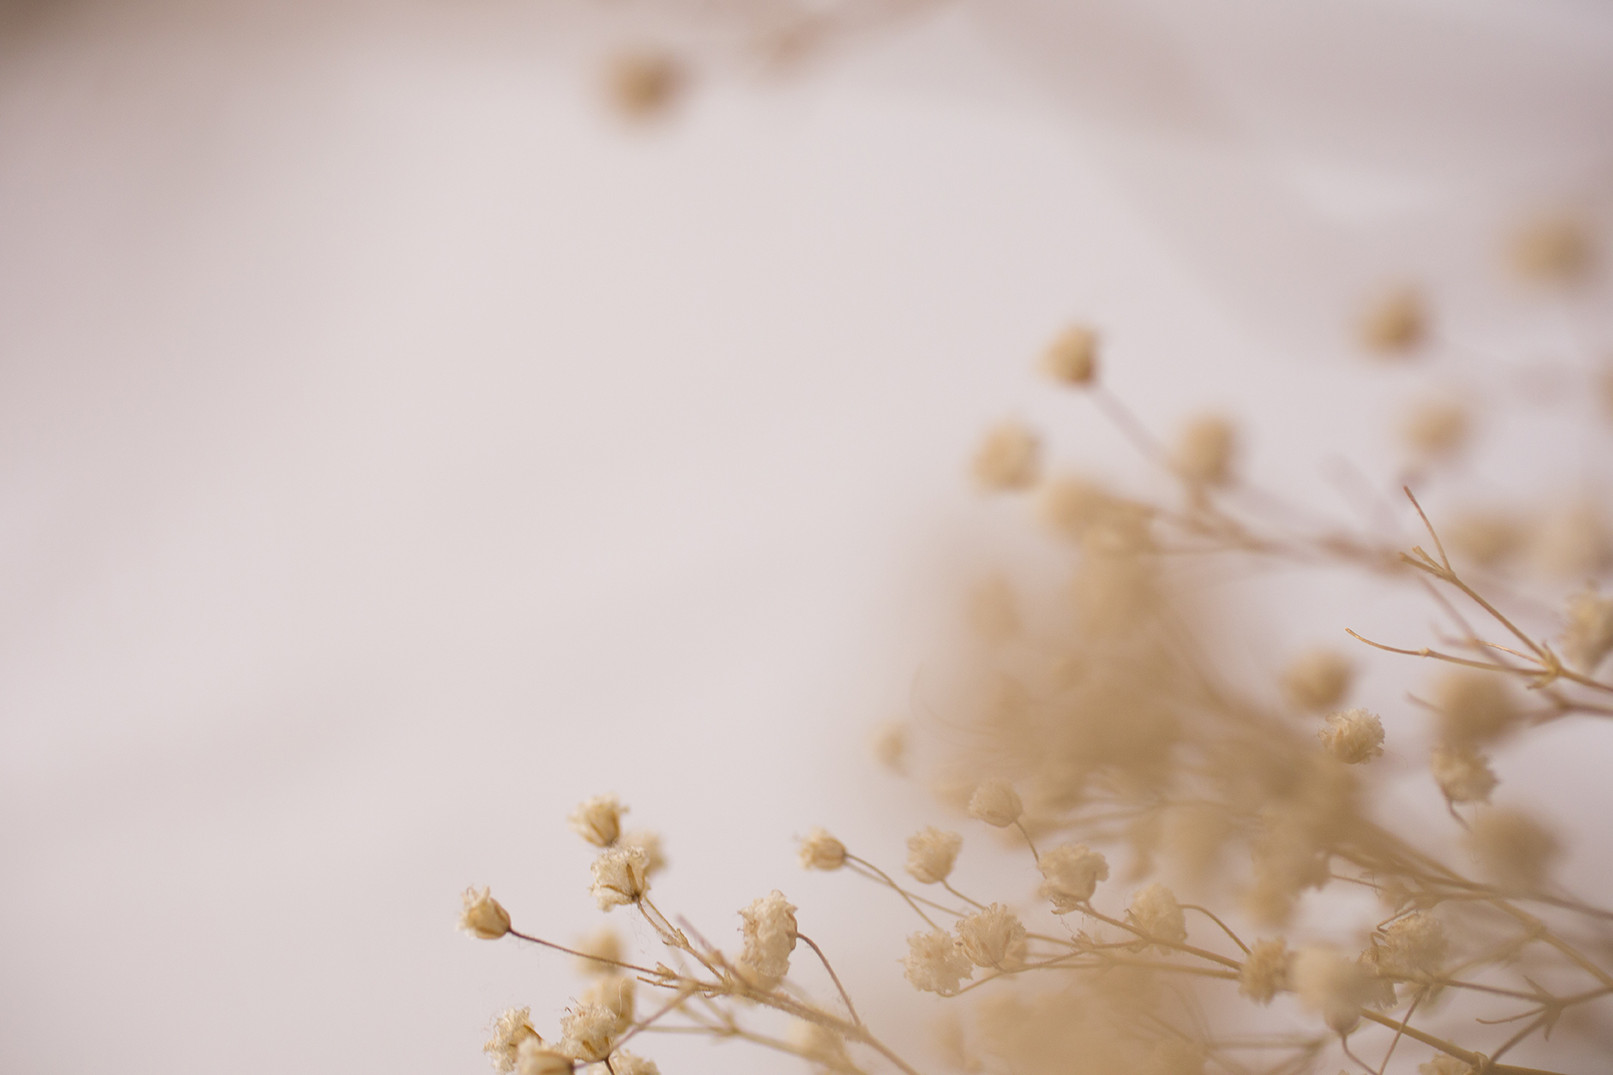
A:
850, 1007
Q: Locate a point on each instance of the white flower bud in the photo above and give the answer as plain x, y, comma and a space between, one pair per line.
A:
995, 803
820, 851
482, 916
769, 929
1265, 971
1353, 736
532, 1057
1317, 681
619, 877
1072, 357
994, 937
1008, 458
1204, 451
931, 853
648, 842
1463, 774
1333, 985
1071, 873
586, 1032
598, 820
1155, 911
935, 963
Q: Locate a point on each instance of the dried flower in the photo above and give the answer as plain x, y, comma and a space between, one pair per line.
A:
1588, 638
1072, 357
1463, 774
996, 803
819, 1044
1333, 985
620, 877
598, 820
931, 853
1204, 451
613, 994
1156, 913
890, 745
1070, 875
512, 1027
1396, 324
820, 851
1436, 428
1353, 736
1474, 708
1553, 249
1265, 971
1413, 945
994, 937
586, 1031
532, 1057
649, 842
1318, 680
1572, 541
626, 1063
1008, 458
643, 83
482, 916
935, 963
769, 929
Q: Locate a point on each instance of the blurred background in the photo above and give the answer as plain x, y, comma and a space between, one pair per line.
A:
418, 416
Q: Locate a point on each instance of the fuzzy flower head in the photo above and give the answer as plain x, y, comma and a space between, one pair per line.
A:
533, 1057
649, 842
1588, 638
996, 803
626, 1063
1463, 774
931, 853
1474, 708
613, 994
994, 937
1070, 875
1317, 681
1513, 848
1436, 429
1353, 736
768, 925
819, 1044
1204, 451
1008, 458
1396, 323
935, 963
820, 851
1333, 985
587, 1030
1412, 945
483, 916
1072, 357
620, 877
510, 1029
598, 820
1155, 911
1265, 971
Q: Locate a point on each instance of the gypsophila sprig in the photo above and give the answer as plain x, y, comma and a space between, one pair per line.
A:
931, 854
482, 915
820, 851
598, 820
620, 877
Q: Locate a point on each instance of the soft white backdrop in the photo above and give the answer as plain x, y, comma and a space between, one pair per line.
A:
395, 447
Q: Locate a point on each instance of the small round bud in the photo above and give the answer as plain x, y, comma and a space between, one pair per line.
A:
620, 877
820, 851
1007, 459
1072, 357
1436, 429
598, 820
1318, 680
1204, 451
1071, 873
1265, 971
1396, 324
995, 803
931, 853
1353, 736
1463, 774
1156, 913
482, 916
643, 84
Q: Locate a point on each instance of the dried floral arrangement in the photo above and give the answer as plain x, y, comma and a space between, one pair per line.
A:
1179, 819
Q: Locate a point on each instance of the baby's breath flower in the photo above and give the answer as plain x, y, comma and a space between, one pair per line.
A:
1396, 323
1008, 458
820, 851
619, 877
533, 1057
1353, 736
598, 820
649, 842
935, 963
1204, 450
994, 937
1588, 638
1413, 945
770, 932
614, 995
819, 1044
482, 916
625, 1063
1155, 911
1512, 847
603, 943
1474, 708
512, 1027
1332, 984
1070, 875
890, 745
586, 1031
996, 803
931, 853
1265, 971
644, 83
1072, 357
1318, 680
1485, 536
1463, 774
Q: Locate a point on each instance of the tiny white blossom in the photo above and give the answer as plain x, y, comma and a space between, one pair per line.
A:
483, 916
935, 963
626, 1063
1071, 873
619, 877
1332, 984
1155, 911
586, 1031
1265, 971
1353, 736
1072, 357
615, 995
1588, 638
996, 803
820, 851
994, 937
512, 1027
1008, 458
1463, 774
931, 853
648, 842
769, 928
533, 1057
598, 820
